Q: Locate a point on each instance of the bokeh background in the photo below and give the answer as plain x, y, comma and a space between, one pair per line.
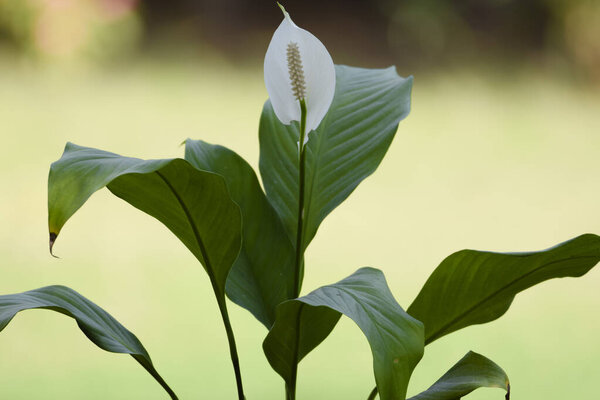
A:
500, 152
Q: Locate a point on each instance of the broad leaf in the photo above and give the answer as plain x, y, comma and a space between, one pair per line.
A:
347, 147
473, 371
473, 287
195, 205
99, 326
262, 276
395, 338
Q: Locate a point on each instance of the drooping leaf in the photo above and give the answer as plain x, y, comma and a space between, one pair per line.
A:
347, 147
262, 276
473, 371
98, 325
473, 287
195, 205
395, 338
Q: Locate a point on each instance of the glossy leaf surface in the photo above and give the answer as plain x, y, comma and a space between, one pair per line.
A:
99, 326
473, 287
395, 338
195, 205
347, 146
473, 371
262, 276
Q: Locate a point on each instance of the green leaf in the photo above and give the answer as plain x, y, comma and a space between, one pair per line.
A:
473, 287
395, 338
99, 326
346, 148
263, 274
195, 205
473, 371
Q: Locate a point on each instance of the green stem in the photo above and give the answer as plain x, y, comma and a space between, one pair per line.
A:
218, 292
232, 349
290, 387
373, 394
148, 367
300, 231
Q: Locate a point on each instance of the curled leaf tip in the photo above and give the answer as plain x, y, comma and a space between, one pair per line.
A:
507, 397
282, 9
52, 240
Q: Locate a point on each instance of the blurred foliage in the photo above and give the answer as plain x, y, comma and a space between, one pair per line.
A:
582, 35
16, 20
547, 31
70, 29
434, 32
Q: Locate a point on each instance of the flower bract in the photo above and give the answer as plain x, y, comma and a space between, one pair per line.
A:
298, 67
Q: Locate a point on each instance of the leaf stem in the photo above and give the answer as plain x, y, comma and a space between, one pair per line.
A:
232, 349
373, 394
150, 368
218, 291
290, 387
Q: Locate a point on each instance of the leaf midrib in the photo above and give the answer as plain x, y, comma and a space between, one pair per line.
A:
186, 211
435, 336
368, 312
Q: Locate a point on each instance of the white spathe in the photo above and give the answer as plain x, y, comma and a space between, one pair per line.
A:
319, 75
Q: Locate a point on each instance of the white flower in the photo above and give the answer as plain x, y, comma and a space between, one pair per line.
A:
298, 67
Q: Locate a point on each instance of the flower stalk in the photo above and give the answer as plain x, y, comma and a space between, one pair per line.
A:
300, 80
299, 263
297, 78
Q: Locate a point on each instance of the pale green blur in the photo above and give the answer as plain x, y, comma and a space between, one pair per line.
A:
485, 160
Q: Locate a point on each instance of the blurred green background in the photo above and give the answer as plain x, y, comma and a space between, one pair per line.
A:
499, 153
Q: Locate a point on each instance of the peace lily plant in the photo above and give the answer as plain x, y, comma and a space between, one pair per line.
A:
324, 129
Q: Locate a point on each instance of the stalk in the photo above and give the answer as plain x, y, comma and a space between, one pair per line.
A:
220, 296
300, 231
232, 349
290, 389
373, 394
